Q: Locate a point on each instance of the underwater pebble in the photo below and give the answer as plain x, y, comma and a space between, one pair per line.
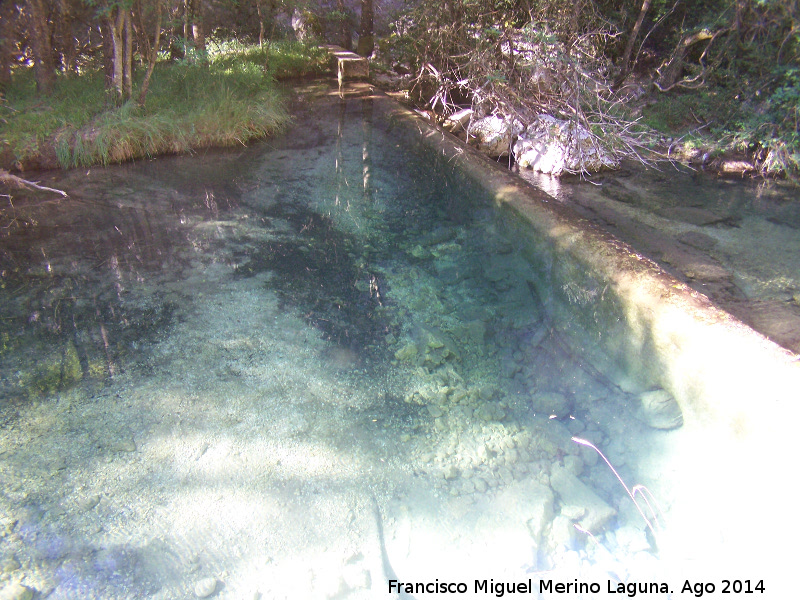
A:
480, 484
550, 403
575, 426
435, 411
573, 492
589, 456
205, 587
9, 565
451, 472
16, 591
505, 474
89, 503
660, 410
632, 539
573, 464
573, 513
562, 533
124, 444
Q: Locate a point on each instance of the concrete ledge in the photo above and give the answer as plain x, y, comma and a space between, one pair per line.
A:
349, 66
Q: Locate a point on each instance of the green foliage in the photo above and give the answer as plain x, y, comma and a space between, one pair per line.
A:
779, 127
229, 100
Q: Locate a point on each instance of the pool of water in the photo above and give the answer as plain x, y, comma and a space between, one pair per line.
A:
302, 369
735, 240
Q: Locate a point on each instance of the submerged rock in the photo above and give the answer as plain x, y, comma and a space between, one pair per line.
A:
205, 587
16, 591
660, 410
573, 492
553, 146
550, 403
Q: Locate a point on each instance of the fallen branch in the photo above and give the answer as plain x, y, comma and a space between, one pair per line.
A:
19, 182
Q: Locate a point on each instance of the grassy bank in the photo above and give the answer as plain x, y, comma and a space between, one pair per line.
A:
228, 98
723, 118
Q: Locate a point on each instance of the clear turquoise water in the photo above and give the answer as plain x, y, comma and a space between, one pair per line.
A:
291, 370
737, 240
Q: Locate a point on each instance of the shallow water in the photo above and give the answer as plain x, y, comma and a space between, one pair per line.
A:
296, 371
735, 240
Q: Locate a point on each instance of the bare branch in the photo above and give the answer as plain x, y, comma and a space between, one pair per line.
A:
20, 183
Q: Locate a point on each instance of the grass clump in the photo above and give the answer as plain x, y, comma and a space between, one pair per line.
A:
229, 98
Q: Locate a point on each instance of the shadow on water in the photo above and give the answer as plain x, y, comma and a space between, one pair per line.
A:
69, 313
317, 273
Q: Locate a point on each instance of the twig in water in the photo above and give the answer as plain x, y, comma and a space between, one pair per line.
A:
19, 182
637, 489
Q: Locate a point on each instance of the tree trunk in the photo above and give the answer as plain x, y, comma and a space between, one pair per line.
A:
187, 11
366, 43
7, 22
345, 36
116, 33
671, 71
626, 56
266, 20
260, 23
43, 63
107, 34
152, 55
66, 46
118, 26
127, 57
198, 35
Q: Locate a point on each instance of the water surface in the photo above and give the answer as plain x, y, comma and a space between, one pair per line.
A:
295, 370
736, 240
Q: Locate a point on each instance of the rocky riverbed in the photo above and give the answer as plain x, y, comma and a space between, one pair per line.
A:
243, 386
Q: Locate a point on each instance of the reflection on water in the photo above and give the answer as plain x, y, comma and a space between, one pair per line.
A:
293, 371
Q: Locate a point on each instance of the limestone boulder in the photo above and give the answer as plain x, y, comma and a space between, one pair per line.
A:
554, 147
458, 121
494, 134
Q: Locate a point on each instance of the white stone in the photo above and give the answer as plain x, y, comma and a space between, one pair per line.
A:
562, 533
493, 135
16, 591
205, 587
632, 539
554, 147
458, 120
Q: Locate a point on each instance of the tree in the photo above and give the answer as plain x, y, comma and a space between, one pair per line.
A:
626, 55
8, 14
118, 26
43, 64
149, 50
343, 18
366, 41
195, 19
266, 19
